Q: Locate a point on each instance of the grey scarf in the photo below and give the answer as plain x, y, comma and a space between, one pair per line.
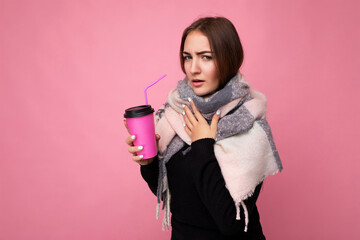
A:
237, 117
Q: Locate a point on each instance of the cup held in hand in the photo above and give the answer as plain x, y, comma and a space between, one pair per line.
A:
140, 121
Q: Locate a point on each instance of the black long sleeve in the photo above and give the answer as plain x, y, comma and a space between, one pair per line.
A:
210, 185
201, 205
150, 174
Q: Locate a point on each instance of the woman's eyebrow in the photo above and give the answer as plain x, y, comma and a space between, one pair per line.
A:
198, 53
203, 52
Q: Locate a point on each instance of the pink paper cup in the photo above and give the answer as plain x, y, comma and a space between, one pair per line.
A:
140, 121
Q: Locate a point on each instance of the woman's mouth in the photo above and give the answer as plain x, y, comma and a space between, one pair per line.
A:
197, 82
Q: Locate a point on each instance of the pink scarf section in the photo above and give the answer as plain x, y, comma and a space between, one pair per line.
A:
245, 159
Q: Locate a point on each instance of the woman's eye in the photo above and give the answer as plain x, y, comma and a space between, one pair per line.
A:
187, 57
207, 57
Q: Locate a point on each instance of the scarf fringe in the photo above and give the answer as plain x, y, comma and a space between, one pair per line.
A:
165, 198
242, 203
246, 213
166, 207
237, 205
157, 210
166, 221
246, 216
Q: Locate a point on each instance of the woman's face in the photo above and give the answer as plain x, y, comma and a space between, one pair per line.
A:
199, 64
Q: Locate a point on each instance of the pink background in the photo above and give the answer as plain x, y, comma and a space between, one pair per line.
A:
68, 69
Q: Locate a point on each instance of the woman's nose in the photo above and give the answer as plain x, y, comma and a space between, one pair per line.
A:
195, 68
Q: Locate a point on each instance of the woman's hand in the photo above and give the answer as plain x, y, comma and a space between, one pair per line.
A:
197, 126
134, 149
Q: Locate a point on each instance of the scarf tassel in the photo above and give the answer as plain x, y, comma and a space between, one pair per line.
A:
166, 220
246, 213
166, 207
237, 205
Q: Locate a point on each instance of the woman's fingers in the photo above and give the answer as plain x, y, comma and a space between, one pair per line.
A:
196, 111
196, 125
187, 122
135, 149
188, 131
126, 126
137, 158
130, 140
189, 116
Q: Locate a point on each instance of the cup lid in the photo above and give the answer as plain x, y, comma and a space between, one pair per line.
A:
138, 111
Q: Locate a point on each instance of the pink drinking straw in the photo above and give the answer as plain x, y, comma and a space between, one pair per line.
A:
146, 100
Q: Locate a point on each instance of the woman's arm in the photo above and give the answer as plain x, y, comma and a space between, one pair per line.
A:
150, 174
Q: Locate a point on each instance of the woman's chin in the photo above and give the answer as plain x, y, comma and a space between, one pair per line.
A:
203, 94
199, 93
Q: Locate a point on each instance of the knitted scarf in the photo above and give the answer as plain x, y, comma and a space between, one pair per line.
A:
244, 146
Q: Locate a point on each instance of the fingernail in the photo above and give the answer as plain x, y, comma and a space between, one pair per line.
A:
184, 124
140, 147
218, 112
183, 113
189, 99
133, 137
182, 105
141, 156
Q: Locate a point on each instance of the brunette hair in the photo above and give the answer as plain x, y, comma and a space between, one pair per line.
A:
224, 42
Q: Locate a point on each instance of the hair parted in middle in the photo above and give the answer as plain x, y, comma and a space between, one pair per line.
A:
224, 42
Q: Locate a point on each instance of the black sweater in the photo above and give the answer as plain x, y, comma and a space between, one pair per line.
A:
201, 205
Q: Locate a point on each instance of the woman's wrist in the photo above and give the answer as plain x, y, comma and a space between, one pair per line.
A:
145, 162
207, 139
148, 161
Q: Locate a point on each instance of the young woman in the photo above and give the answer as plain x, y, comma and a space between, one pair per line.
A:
215, 146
